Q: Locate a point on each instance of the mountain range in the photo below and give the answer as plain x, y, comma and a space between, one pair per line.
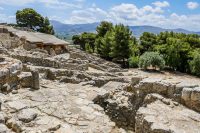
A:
67, 30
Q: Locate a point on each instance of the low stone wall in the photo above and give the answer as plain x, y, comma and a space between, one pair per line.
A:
122, 101
9, 69
185, 93
116, 103
9, 42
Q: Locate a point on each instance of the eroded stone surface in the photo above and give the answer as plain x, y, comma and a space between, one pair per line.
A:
61, 106
166, 118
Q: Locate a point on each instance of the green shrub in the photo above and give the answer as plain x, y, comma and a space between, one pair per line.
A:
133, 61
88, 48
151, 59
195, 65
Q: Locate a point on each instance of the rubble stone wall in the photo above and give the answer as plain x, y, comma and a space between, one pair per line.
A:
122, 102
9, 69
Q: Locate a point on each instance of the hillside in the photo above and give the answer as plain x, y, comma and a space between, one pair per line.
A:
68, 30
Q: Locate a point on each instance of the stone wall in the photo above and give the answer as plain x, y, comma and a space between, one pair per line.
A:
125, 103
9, 69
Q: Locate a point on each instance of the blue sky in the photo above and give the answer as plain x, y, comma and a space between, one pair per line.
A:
167, 13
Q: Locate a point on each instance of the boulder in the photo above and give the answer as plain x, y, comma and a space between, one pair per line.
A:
27, 115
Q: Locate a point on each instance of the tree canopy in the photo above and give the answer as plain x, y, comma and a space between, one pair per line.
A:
29, 18
177, 51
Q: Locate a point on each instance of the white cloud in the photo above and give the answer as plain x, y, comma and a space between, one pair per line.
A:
16, 2
161, 4
6, 19
80, 0
130, 14
89, 15
192, 5
58, 4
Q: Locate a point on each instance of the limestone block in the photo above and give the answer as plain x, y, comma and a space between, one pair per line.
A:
35, 80
195, 99
136, 79
186, 95
25, 79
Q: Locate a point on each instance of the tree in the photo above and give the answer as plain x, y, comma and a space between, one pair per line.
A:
133, 61
122, 40
88, 38
195, 65
28, 17
46, 27
76, 39
153, 59
83, 39
106, 43
176, 54
147, 41
102, 29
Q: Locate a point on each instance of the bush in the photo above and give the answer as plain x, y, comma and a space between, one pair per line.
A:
195, 65
88, 48
133, 61
151, 59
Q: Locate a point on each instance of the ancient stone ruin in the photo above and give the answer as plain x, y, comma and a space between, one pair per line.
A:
65, 90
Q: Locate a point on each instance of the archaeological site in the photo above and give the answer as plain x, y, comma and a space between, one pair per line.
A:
48, 86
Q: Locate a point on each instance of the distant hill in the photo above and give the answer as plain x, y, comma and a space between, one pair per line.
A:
68, 30
138, 30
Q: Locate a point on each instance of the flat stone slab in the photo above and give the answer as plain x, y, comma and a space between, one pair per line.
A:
36, 37
58, 107
159, 117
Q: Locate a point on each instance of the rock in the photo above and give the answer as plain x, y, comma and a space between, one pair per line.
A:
186, 95
27, 115
2, 118
136, 79
0, 105
2, 59
14, 91
25, 79
115, 102
191, 98
16, 105
52, 52
65, 128
6, 88
14, 125
159, 117
35, 80
72, 80
3, 129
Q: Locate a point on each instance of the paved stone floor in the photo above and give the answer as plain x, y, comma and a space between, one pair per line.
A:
57, 107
